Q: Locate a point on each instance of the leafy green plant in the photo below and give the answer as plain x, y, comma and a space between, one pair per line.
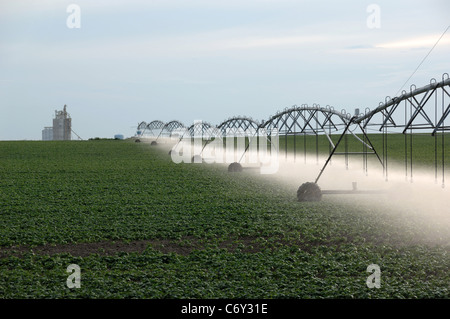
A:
140, 226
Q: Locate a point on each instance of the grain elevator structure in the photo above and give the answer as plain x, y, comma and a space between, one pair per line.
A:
62, 127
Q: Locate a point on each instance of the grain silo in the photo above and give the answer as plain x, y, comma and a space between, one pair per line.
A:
47, 133
62, 125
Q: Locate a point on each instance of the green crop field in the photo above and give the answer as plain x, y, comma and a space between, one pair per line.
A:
140, 226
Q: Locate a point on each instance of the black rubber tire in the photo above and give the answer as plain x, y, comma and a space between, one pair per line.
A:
137, 141
154, 143
309, 192
235, 167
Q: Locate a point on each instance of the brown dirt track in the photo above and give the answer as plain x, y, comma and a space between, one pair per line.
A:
108, 248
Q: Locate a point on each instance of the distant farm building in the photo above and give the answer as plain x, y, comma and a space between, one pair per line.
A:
119, 137
61, 129
62, 125
47, 133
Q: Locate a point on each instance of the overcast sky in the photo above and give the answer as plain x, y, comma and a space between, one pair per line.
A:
131, 61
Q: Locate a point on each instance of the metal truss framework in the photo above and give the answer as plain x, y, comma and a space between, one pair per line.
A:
202, 130
316, 120
423, 109
414, 104
169, 128
200, 133
153, 128
238, 126
307, 120
142, 126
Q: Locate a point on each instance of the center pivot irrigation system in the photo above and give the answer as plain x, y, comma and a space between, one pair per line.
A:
423, 110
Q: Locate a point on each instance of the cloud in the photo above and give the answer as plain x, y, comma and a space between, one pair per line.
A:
415, 43
229, 41
17, 7
360, 47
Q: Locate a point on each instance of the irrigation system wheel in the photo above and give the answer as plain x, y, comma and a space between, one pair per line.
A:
137, 141
309, 192
235, 167
154, 143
